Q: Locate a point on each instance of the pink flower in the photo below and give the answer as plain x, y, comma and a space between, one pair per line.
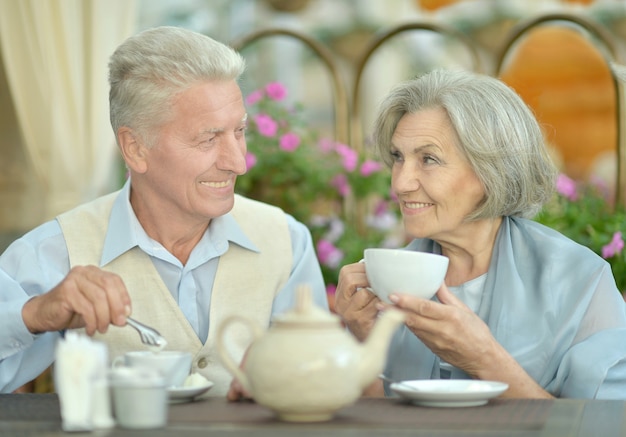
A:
250, 160
369, 167
328, 254
331, 289
381, 208
289, 142
614, 247
275, 91
326, 145
266, 125
393, 196
603, 188
566, 187
254, 97
349, 157
340, 182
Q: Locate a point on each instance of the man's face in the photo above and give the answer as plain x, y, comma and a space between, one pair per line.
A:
191, 169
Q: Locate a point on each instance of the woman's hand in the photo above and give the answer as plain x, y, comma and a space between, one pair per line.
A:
450, 329
458, 336
353, 302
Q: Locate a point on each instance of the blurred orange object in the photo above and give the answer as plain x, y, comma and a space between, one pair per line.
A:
433, 5
568, 83
582, 2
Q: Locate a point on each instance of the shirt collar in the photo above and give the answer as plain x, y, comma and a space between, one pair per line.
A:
124, 232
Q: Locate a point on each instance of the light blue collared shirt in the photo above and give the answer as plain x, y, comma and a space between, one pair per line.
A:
38, 261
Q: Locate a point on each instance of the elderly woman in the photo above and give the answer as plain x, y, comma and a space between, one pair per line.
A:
521, 303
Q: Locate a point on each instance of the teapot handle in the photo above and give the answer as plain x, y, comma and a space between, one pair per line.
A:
234, 368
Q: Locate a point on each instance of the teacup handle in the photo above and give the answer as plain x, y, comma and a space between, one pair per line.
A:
118, 361
225, 356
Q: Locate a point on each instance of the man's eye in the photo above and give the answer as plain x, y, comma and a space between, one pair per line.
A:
206, 143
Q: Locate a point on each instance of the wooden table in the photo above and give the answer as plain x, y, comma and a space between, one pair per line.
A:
38, 414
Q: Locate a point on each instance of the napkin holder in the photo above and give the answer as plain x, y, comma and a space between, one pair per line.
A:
80, 374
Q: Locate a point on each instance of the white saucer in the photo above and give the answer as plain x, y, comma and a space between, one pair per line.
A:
187, 394
449, 392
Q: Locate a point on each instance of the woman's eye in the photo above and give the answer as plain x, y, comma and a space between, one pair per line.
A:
395, 155
428, 159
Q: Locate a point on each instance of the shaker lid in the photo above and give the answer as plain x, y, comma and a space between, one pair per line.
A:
135, 377
306, 314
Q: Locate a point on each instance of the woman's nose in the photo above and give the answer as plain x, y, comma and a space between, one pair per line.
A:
404, 179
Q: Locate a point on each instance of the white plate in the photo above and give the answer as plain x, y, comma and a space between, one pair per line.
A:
186, 394
449, 392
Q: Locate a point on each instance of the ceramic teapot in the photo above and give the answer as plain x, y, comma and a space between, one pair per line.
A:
306, 365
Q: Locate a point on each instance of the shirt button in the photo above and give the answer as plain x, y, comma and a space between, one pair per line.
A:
202, 363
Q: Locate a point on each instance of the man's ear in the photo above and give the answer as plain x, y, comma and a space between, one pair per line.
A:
133, 149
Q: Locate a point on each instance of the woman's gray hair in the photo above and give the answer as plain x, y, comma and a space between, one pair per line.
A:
147, 70
498, 134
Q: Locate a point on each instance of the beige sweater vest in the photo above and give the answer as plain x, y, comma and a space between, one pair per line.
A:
245, 284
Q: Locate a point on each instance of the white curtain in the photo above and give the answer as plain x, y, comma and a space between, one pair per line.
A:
55, 54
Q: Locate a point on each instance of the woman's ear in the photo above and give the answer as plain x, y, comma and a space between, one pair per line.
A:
133, 150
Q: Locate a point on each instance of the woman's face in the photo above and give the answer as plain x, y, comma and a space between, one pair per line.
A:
434, 183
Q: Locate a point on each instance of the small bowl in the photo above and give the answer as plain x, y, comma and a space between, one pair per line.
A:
403, 271
139, 397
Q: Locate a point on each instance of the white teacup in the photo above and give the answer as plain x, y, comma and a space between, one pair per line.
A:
404, 271
173, 365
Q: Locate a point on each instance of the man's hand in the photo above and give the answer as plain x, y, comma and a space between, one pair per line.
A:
236, 392
88, 297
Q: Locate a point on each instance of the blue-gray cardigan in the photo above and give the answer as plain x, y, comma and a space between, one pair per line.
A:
552, 304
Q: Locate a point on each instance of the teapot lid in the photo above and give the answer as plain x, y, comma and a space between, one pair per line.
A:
306, 314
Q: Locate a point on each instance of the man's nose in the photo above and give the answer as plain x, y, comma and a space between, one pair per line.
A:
233, 156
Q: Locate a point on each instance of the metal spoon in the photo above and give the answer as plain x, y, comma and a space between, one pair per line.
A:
149, 336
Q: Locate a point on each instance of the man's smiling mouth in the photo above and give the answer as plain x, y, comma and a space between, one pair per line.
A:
216, 184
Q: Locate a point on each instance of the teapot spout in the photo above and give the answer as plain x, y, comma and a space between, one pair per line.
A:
374, 349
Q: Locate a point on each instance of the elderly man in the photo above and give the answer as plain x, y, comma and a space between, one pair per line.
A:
176, 248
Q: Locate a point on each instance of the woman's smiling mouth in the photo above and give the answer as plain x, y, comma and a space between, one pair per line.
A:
417, 205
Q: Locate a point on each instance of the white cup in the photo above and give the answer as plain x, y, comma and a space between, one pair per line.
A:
140, 398
173, 365
404, 271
